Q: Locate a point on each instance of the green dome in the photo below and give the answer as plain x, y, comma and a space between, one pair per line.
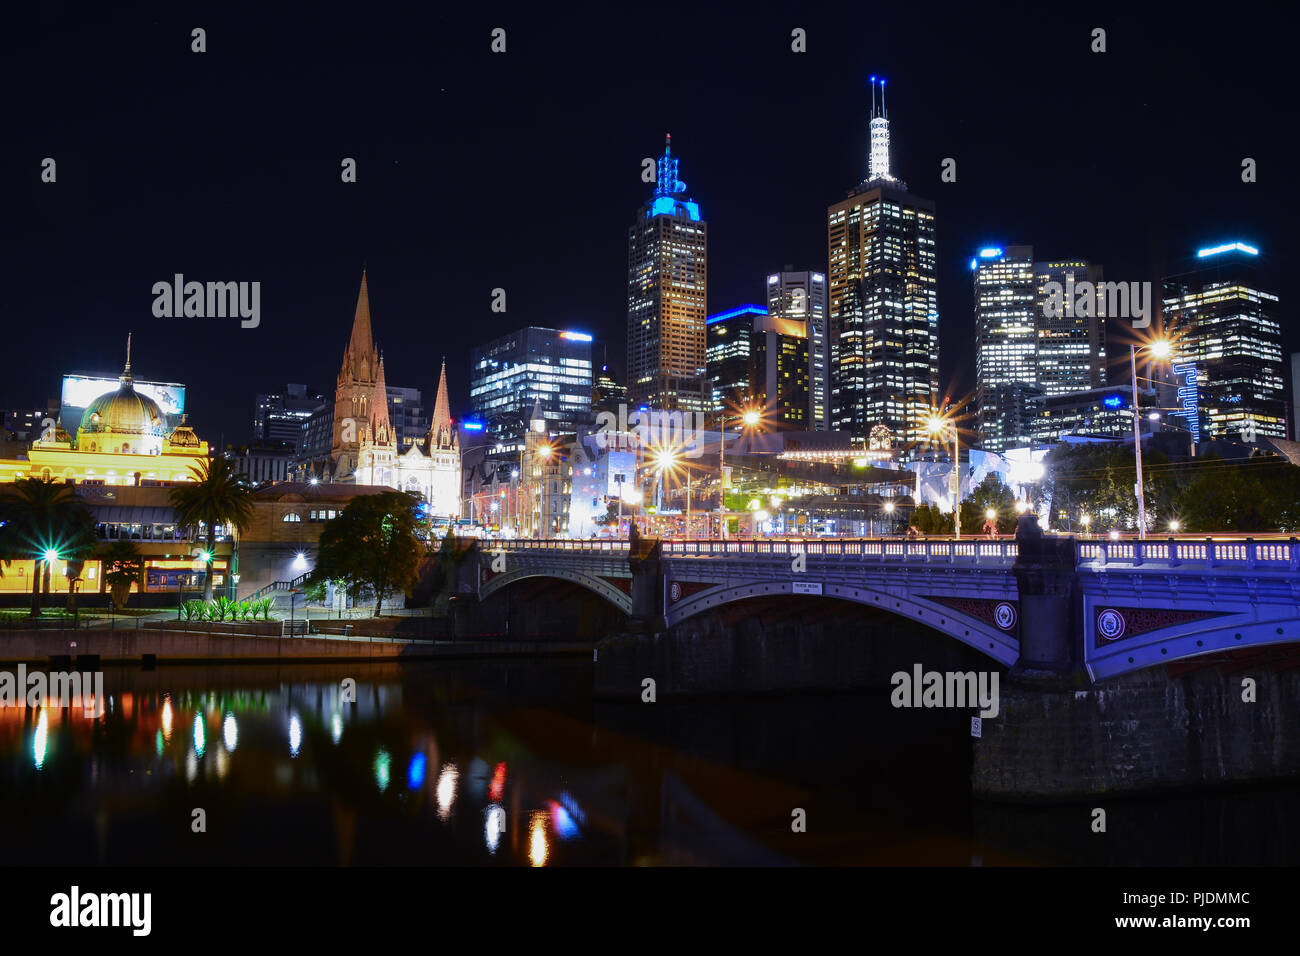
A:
123, 415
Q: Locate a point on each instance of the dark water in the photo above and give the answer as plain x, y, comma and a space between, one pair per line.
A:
514, 763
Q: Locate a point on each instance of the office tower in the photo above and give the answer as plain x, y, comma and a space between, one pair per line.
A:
1006, 343
549, 368
883, 301
778, 369
606, 392
801, 296
1071, 346
406, 414
1227, 340
666, 295
728, 356
279, 416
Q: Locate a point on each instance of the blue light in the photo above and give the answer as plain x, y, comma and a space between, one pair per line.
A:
742, 310
415, 772
472, 426
973, 263
992, 252
1229, 247
667, 206
873, 77
882, 81
576, 336
1113, 401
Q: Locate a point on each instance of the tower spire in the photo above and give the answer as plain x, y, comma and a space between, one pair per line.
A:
362, 340
666, 181
441, 407
126, 370
878, 159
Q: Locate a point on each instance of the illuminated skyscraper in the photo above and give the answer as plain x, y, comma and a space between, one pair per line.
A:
1227, 332
666, 293
539, 371
801, 297
730, 348
1071, 346
1006, 343
883, 301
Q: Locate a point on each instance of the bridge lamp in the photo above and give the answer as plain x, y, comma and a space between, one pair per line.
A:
1085, 520
544, 452
51, 555
889, 507
1160, 349
1114, 535
751, 417
1021, 507
990, 513
1174, 524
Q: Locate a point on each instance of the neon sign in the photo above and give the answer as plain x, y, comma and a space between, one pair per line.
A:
1188, 397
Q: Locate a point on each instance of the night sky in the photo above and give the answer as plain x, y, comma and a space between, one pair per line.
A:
522, 170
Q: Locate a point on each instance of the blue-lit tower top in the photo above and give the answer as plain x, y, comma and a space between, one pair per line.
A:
668, 187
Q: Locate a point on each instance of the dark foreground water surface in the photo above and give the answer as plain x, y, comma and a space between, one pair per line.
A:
513, 762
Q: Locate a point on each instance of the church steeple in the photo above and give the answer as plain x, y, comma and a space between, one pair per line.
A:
362, 341
442, 432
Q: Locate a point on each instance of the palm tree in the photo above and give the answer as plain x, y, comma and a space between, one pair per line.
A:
217, 495
123, 566
44, 521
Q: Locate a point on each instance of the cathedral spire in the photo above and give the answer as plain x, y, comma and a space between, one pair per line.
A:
441, 407
362, 341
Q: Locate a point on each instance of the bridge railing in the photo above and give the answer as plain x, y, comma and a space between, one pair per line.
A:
1205, 552
977, 550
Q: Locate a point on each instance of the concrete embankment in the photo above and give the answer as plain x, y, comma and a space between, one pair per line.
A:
153, 644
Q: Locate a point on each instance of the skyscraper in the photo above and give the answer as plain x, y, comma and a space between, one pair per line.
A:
884, 311
778, 371
1006, 343
801, 297
666, 295
1226, 331
730, 336
549, 369
1071, 346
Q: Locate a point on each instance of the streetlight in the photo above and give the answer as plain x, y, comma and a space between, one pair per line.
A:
749, 418
1160, 349
1085, 520
936, 425
1174, 525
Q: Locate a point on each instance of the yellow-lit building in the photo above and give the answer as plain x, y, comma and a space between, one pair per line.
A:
123, 462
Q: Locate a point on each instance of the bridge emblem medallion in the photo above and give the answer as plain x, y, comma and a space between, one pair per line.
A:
1001, 614
1004, 616
1111, 624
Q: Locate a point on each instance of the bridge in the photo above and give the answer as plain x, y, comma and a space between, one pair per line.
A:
1042, 603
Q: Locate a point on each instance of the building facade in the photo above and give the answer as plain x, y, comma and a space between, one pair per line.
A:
279, 416
883, 302
1226, 329
546, 369
1006, 343
1071, 345
801, 297
667, 290
729, 356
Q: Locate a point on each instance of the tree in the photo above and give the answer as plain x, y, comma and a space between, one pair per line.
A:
217, 495
123, 566
930, 520
989, 493
372, 543
44, 521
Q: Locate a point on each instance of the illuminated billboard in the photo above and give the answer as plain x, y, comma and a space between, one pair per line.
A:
80, 390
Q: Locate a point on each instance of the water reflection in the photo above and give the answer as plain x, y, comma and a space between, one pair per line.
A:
515, 763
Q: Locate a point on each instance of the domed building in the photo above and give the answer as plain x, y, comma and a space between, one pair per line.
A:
123, 422
123, 461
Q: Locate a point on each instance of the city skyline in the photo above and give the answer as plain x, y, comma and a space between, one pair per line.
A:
422, 270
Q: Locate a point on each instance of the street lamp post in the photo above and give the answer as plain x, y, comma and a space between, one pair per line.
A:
749, 417
1160, 349
936, 426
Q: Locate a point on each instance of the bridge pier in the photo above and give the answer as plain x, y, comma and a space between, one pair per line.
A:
1051, 608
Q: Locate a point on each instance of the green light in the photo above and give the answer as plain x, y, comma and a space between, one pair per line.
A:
51, 555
